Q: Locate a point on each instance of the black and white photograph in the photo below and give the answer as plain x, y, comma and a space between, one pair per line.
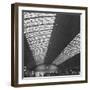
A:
51, 44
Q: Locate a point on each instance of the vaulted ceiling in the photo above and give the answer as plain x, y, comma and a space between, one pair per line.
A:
66, 27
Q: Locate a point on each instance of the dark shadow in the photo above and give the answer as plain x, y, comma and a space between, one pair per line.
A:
66, 27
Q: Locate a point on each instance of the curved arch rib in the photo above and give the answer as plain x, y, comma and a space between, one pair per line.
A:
72, 49
37, 29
